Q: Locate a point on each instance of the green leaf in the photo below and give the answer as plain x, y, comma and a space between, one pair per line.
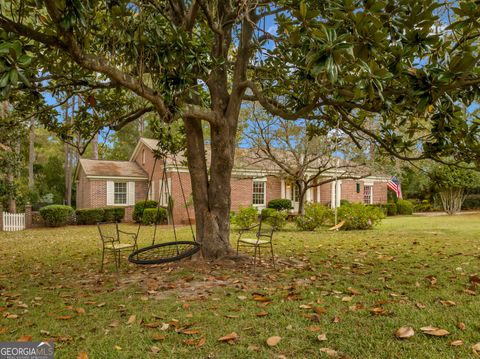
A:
303, 9
13, 76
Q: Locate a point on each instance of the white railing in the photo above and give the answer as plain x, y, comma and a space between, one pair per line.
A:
13, 221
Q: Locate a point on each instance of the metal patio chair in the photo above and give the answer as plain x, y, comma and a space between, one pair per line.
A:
110, 236
263, 239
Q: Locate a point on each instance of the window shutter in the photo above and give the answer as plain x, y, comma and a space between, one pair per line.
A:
110, 193
131, 193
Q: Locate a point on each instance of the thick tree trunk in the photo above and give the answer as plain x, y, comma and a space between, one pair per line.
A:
302, 193
31, 154
211, 196
452, 200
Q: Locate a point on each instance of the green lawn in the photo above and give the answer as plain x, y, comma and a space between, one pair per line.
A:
326, 283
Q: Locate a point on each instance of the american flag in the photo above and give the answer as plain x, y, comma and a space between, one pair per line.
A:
394, 185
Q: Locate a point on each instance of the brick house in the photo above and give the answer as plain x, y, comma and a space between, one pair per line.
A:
123, 183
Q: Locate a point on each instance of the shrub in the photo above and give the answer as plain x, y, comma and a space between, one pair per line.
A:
344, 202
56, 215
359, 216
154, 216
391, 209
245, 217
140, 206
471, 203
113, 214
277, 219
381, 207
404, 207
423, 206
315, 215
90, 215
280, 204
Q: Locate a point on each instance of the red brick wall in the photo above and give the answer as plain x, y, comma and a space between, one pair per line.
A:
242, 189
325, 193
380, 192
349, 191
274, 190
83, 190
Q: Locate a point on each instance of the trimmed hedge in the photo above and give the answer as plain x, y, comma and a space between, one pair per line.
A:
56, 215
315, 215
359, 216
277, 219
391, 209
280, 204
113, 214
404, 207
471, 203
90, 215
140, 206
245, 217
423, 206
154, 216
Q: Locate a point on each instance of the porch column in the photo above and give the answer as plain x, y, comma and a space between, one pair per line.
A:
318, 193
282, 188
333, 198
338, 184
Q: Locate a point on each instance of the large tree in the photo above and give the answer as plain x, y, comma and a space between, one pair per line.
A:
393, 62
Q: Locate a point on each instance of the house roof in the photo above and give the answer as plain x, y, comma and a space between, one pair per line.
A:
101, 168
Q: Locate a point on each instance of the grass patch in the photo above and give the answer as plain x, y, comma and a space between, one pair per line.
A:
325, 283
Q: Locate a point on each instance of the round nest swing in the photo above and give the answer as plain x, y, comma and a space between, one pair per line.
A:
168, 251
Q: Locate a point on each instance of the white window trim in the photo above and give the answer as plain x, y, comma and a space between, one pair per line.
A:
371, 192
264, 181
126, 194
111, 194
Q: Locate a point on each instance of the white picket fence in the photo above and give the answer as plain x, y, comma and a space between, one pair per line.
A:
13, 221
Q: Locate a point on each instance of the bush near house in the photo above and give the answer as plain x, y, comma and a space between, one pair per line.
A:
381, 207
139, 208
359, 216
277, 219
56, 215
471, 203
245, 217
280, 204
154, 216
113, 214
391, 209
315, 215
90, 215
422, 206
404, 207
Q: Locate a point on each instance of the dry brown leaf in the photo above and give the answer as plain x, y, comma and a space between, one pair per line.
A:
115, 323
319, 310
11, 316
476, 349
262, 314
82, 355
448, 303
101, 304
475, 279
378, 311
347, 299
272, 341
3, 330
305, 306
152, 325
201, 342
260, 297
336, 320
469, 291
431, 279
322, 337
437, 332
405, 333
158, 337
230, 316
329, 352
80, 310
314, 328
456, 343
25, 338
461, 326
420, 305
64, 317
190, 331
229, 337
155, 349
353, 291
132, 319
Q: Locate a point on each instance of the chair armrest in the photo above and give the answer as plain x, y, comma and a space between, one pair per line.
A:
133, 235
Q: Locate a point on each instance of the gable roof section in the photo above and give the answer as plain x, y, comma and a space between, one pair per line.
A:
123, 169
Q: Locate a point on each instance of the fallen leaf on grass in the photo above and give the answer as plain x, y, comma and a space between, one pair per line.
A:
405, 333
469, 291
322, 337
82, 355
336, 320
158, 337
420, 305
456, 343
437, 332
319, 310
3, 330
476, 349
448, 303
260, 297
347, 299
189, 341
11, 316
64, 317
475, 279
201, 342
155, 349
25, 338
272, 341
190, 331
262, 314
461, 326
353, 291
329, 352
101, 304
314, 328
229, 337
131, 319
431, 279
305, 306
80, 310
117, 347
115, 323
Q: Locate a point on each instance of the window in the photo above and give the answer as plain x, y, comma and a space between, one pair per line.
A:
368, 194
120, 193
295, 193
258, 193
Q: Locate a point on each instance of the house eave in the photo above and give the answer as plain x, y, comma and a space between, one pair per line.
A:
116, 178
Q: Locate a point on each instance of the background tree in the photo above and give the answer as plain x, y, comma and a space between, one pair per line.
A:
306, 161
452, 185
200, 61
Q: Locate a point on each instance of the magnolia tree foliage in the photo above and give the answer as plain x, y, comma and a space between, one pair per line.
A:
452, 185
401, 72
